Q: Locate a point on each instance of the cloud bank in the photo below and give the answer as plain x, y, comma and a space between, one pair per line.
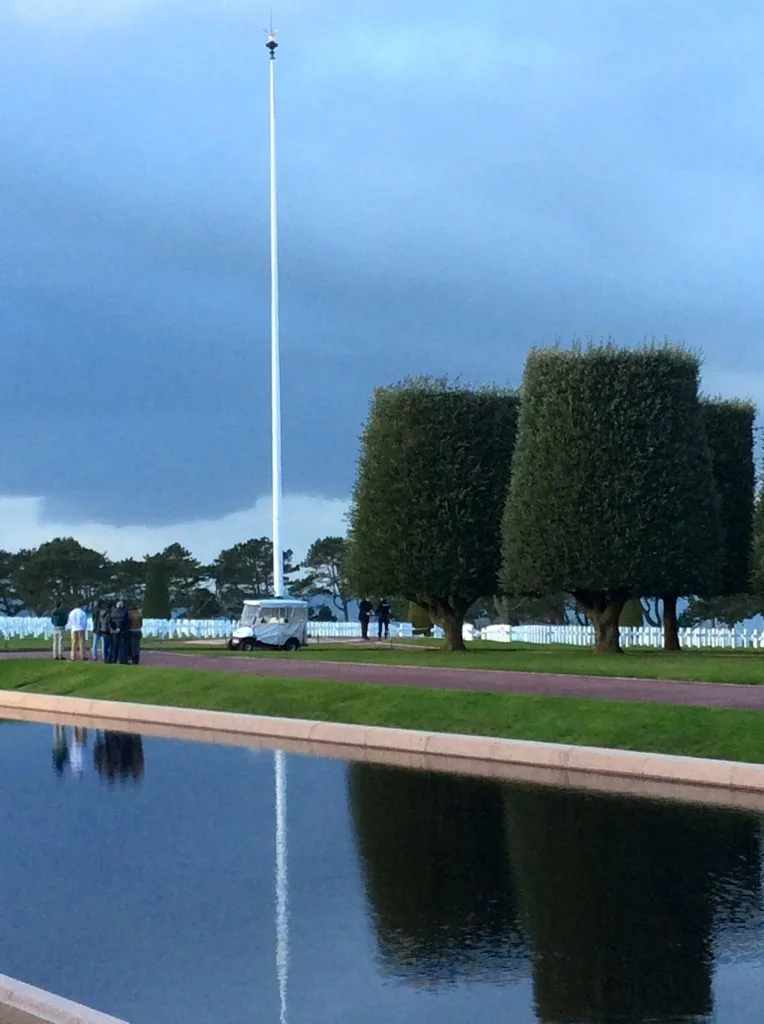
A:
23, 525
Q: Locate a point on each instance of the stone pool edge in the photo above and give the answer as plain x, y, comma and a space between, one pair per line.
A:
27, 1003
567, 758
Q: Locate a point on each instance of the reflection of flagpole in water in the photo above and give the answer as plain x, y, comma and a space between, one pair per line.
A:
282, 884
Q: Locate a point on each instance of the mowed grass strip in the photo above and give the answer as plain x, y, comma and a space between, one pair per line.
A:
698, 732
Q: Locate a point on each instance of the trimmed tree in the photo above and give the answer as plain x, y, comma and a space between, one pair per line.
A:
757, 571
156, 604
729, 432
728, 426
612, 494
425, 520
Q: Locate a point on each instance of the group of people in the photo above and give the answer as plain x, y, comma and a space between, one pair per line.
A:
383, 613
117, 633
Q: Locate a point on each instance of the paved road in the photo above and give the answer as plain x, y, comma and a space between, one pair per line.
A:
710, 695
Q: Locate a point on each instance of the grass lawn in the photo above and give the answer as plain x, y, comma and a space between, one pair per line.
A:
700, 732
25, 643
710, 665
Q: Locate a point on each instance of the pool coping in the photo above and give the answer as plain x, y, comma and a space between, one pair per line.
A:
23, 1004
733, 783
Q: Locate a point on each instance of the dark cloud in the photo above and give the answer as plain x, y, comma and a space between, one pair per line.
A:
450, 195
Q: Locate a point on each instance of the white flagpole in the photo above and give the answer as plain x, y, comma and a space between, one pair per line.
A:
278, 569
279, 760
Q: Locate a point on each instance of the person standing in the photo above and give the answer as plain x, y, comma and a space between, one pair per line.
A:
77, 624
120, 634
135, 620
364, 614
383, 619
104, 628
59, 618
97, 634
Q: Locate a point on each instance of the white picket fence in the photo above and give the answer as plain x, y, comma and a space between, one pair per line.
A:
579, 636
195, 629
631, 636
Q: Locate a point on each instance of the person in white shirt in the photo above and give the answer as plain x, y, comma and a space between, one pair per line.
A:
77, 626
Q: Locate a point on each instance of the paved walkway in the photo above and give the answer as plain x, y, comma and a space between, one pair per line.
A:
659, 691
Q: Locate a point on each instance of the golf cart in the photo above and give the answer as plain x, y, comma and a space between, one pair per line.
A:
280, 623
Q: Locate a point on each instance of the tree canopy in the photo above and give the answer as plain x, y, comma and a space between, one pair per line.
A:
729, 432
60, 572
244, 572
612, 493
426, 511
10, 601
325, 573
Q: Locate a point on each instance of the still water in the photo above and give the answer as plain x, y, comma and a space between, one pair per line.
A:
138, 875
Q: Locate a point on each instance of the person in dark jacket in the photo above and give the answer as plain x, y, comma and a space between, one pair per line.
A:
136, 627
103, 625
59, 619
98, 633
365, 609
120, 634
383, 618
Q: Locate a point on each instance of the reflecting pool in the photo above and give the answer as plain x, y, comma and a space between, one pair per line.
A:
168, 881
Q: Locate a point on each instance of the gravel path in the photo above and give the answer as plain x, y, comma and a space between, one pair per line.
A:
709, 695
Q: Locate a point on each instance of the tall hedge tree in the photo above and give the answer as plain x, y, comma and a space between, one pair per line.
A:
612, 493
156, 604
757, 571
425, 521
728, 427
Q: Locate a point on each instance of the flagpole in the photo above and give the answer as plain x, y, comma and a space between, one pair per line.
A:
278, 565
279, 759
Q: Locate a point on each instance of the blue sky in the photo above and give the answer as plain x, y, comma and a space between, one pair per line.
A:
456, 185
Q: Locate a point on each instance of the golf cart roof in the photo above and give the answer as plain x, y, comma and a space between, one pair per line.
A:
279, 602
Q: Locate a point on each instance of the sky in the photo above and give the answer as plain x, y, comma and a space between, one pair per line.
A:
456, 184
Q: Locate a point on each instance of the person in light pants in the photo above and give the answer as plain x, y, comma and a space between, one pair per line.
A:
77, 624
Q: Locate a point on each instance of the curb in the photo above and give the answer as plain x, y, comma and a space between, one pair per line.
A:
28, 1005
359, 741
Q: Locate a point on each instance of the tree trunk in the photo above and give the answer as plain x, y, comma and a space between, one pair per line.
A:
452, 623
670, 625
651, 612
604, 611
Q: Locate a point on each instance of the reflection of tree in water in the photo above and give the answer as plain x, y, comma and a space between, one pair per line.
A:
436, 868
619, 900
118, 756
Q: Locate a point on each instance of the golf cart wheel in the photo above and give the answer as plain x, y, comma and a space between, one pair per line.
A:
247, 645
229, 645
292, 644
